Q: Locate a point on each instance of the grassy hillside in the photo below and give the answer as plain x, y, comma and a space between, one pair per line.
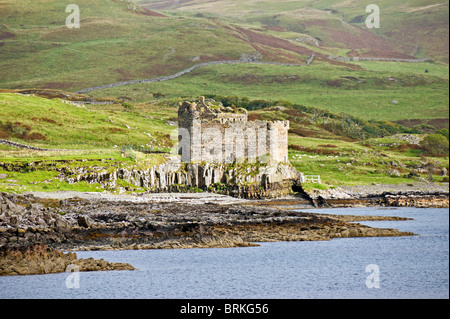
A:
61, 124
93, 136
414, 27
115, 42
118, 41
340, 111
382, 91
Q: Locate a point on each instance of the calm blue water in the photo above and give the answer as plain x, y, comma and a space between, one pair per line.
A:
409, 267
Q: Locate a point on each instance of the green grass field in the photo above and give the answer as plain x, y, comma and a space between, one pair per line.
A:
367, 93
69, 126
117, 42
358, 164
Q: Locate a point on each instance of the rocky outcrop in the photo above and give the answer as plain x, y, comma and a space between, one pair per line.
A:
41, 259
236, 180
105, 224
401, 195
239, 180
416, 200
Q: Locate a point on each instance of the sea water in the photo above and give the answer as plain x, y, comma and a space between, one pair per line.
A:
381, 267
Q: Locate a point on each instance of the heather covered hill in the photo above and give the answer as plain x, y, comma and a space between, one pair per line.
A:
415, 27
122, 40
117, 41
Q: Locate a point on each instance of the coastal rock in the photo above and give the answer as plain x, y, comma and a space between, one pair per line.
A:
25, 213
412, 195
104, 224
437, 201
235, 180
41, 259
263, 180
84, 221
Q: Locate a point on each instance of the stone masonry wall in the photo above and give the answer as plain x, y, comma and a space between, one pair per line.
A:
223, 135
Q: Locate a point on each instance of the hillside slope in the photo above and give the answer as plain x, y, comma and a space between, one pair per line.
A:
92, 136
116, 41
57, 123
119, 41
414, 27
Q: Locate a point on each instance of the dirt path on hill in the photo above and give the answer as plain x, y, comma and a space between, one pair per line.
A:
200, 65
185, 71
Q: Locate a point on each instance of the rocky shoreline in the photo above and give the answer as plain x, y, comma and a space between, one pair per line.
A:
421, 195
66, 223
36, 229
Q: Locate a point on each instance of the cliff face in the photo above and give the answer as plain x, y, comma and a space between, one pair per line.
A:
245, 180
239, 180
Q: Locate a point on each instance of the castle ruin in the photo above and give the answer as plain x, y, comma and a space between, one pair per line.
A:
209, 132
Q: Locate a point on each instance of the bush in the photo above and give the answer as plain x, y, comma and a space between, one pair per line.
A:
4, 134
128, 107
435, 144
313, 150
443, 132
302, 132
158, 95
339, 124
254, 117
34, 136
19, 130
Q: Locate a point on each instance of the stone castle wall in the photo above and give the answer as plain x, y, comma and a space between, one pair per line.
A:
223, 135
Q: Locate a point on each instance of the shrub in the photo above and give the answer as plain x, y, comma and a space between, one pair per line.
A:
443, 132
302, 132
407, 147
19, 130
328, 145
318, 151
4, 134
339, 124
34, 136
435, 144
158, 95
254, 117
128, 107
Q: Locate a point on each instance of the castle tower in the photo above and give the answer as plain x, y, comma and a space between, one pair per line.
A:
189, 133
214, 133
